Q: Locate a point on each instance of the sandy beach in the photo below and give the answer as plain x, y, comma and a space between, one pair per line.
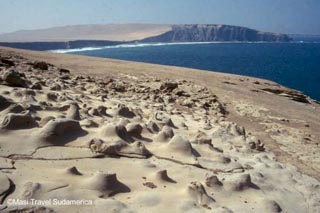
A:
135, 137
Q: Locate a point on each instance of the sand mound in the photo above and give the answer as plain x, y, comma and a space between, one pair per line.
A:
134, 130
180, 146
124, 111
100, 111
73, 112
201, 138
106, 183
153, 127
255, 144
15, 79
101, 185
197, 192
14, 121
4, 103
162, 177
177, 149
168, 86
4, 186
60, 132
14, 108
229, 130
135, 149
120, 148
45, 120
72, 171
116, 132
99, 145
158, 121
271, 206
240, 182
30, 190
40, 65
213, 181
164, 135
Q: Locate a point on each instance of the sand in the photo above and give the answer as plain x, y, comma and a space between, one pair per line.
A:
134, 137
110, 32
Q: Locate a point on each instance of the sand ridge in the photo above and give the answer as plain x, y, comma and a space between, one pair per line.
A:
110, 32
135, 144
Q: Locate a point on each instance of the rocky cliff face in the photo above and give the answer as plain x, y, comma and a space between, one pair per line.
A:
203, 33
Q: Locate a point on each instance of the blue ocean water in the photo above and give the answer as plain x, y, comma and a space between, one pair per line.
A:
295, 65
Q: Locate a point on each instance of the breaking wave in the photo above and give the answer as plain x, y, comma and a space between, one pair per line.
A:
133, 45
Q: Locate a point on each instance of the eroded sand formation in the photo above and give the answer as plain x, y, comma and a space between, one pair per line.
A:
135, 145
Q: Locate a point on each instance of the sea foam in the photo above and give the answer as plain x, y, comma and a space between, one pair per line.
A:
132, 45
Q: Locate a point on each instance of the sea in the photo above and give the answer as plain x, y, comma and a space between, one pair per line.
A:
295, 64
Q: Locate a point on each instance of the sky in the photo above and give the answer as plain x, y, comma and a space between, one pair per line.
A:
282, 16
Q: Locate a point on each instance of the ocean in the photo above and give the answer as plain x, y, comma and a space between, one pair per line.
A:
295, 65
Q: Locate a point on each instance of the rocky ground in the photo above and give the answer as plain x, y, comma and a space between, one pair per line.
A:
133, 143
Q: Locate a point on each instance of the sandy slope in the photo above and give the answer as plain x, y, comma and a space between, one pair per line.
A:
112, 32
133, 141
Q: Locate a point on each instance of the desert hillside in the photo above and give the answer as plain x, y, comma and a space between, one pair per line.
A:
110, 32
135, 137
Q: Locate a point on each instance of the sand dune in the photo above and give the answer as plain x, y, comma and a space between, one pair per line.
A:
111, 32
133, 137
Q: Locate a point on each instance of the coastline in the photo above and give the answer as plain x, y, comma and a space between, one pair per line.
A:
137, 45
228, 87
278, 62
257, 127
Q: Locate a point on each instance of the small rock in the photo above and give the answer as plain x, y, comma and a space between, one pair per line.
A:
212, 181
55, 87
13, 78
150, 185
13, 121
7, 62
40, 65
36, 86
64, 71
169, 86
52, 96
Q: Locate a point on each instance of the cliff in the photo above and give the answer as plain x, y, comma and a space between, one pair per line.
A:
204, 33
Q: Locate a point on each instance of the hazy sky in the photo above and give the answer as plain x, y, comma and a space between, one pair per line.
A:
287, 16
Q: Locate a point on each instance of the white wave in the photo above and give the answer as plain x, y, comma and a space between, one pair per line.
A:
137, 45
76, 50
133, 45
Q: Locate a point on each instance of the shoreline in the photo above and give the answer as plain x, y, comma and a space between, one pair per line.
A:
288, 75
244, 87
101, 44
159, 122
134, 45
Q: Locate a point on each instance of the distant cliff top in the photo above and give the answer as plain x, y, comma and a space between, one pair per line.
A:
215, 32
145, 32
